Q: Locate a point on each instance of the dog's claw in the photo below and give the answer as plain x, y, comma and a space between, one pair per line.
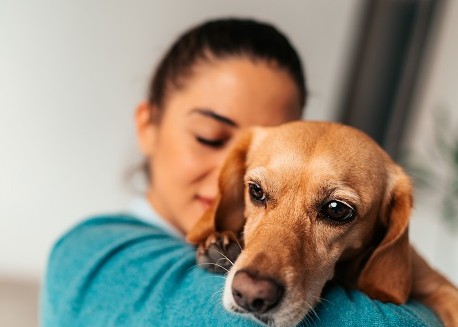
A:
218, 252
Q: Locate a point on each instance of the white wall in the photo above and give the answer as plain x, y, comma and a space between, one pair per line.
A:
71, 74
436, 240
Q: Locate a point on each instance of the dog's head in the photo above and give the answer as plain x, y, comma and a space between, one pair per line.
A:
313, 201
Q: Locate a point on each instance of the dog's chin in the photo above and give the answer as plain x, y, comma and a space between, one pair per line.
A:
274, 319
285, 315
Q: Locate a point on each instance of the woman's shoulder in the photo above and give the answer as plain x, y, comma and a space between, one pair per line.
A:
102, 238
103, 271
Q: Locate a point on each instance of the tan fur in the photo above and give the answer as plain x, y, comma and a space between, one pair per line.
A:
300, 166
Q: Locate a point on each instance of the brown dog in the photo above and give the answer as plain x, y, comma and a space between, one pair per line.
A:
310, 202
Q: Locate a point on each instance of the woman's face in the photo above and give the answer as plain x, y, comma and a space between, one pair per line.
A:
186, 147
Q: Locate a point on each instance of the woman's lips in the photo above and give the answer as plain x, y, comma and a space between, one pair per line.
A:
206, 202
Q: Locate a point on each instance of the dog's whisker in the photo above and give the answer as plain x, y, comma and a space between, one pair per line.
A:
235, 238
200, 265
314, 312
320, 299
219, 276
270, 322
306, 320
324, 300
223, 259
211, 263
192, 267
215, 300
223, 255
218, 294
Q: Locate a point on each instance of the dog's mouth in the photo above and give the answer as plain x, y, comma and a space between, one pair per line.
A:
265, 319
271, 319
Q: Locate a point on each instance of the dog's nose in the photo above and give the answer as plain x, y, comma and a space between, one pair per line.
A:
255, 293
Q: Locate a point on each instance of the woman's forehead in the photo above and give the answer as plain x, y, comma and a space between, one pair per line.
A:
241, 91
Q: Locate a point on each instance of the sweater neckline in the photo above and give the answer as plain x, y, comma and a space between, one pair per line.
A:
142, 209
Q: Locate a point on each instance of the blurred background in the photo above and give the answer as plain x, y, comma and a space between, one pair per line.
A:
71, 74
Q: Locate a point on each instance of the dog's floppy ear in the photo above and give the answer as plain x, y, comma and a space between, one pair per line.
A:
226, 212
387, 274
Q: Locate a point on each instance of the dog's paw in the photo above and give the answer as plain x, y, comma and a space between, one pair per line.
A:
218, 252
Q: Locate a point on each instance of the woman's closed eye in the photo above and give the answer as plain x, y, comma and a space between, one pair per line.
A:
212, 143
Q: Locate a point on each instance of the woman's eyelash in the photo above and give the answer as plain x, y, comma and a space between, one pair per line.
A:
210, 143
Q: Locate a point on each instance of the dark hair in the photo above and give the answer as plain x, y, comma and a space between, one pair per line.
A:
224, 38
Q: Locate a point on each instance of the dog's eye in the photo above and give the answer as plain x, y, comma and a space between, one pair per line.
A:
256, 193
337, 211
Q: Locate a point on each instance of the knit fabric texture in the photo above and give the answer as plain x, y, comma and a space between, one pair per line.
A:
117, 270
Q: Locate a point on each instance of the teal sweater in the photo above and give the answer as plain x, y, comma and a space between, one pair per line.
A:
118, 270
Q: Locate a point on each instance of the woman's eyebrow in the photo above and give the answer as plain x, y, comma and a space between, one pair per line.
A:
210, 113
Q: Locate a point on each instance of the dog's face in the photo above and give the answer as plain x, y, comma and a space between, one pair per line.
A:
319, 200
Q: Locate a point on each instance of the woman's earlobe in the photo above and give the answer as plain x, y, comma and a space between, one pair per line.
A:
146, 127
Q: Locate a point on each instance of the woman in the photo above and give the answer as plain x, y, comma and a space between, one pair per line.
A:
135, 269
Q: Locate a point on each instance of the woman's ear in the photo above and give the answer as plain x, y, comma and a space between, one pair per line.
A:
146, 126
387, 275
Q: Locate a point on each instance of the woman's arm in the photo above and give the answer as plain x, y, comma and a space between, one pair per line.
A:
119, 271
